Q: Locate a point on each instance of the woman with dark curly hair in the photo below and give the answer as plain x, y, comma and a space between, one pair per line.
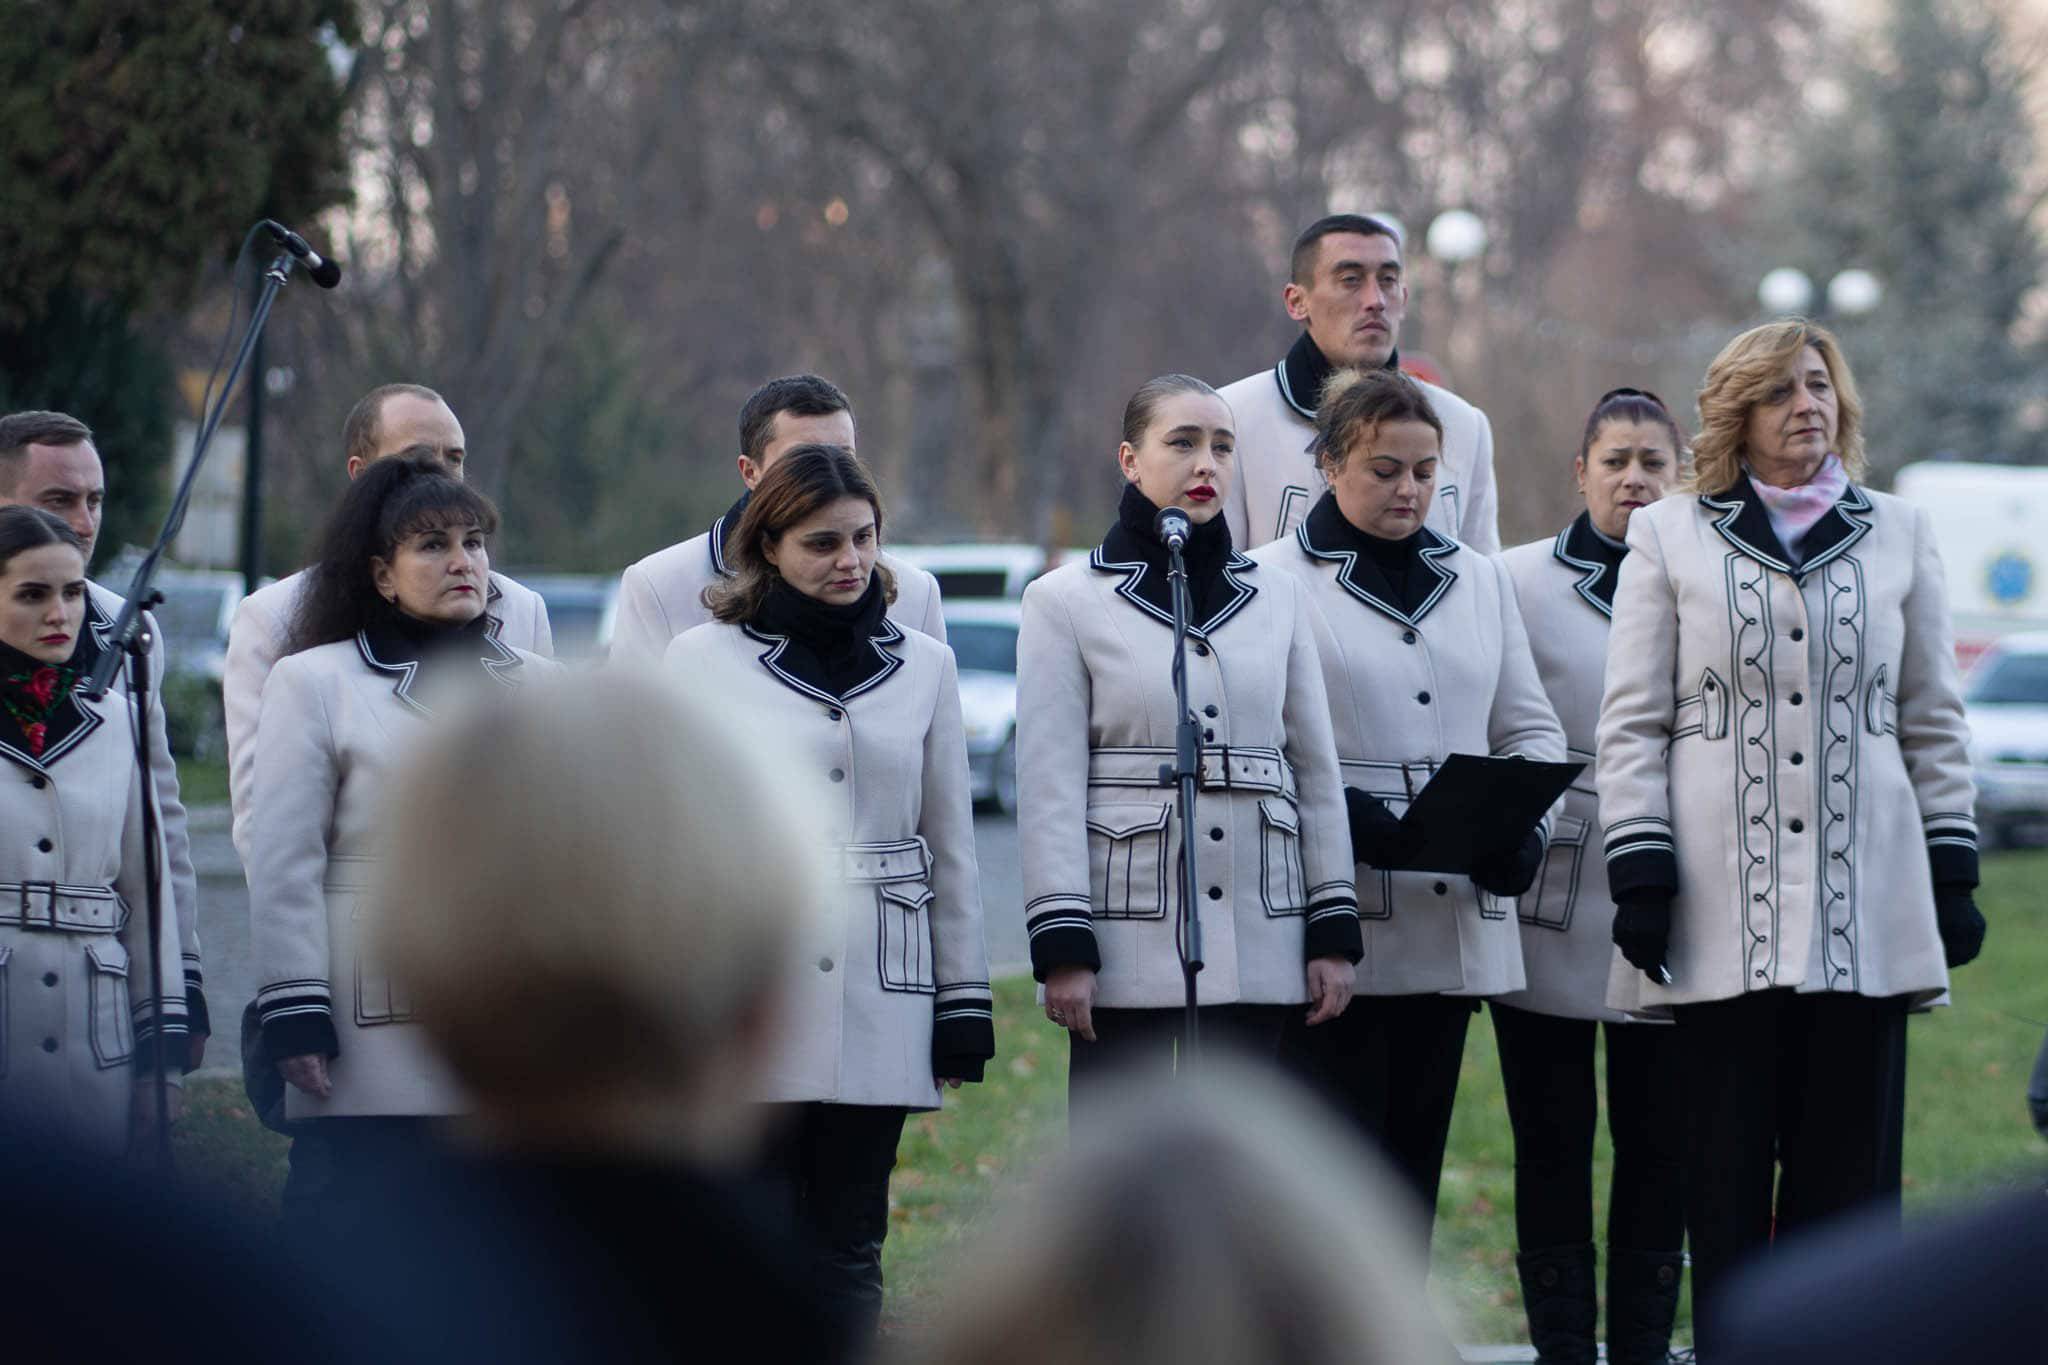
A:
391, 626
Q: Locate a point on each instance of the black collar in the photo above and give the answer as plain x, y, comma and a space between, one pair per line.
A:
1746, 525
1304, 370
404, 649
1325, 534
721, 534
73, 720
1580, 546
831, 676
1215, 592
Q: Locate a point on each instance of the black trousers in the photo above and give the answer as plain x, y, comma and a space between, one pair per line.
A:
334, 1186
1390, 1063
1804, 1092
1135, 1042
1546, 1067
830, 1164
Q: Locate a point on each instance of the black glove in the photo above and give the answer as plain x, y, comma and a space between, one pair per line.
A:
1512, 872
1377, 835
1642, 930
1961, 926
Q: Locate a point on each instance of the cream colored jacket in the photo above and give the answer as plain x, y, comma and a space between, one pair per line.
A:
1784, 749
257, 638
899, 955
1408, 687
75, 997
1277, 479
1099, 838
336, 724
663, 595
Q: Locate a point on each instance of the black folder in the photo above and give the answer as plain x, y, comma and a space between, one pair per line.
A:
1475, 806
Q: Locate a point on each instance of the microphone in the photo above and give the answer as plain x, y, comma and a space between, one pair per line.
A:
324, 272
1173, 528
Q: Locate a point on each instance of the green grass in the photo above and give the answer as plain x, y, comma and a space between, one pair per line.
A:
1966, 1126
202, 783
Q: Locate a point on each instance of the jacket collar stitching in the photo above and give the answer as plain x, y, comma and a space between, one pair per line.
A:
1434, 547
889, 635
1134, 572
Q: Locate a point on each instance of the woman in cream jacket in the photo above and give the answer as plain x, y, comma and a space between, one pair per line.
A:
391, 627
79, 1027
1786, 795
1423, 656
1098, 835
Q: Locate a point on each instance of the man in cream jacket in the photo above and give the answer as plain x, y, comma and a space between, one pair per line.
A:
1348, 291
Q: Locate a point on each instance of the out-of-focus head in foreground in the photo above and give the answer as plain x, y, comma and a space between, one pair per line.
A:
1215, 1219
591, 890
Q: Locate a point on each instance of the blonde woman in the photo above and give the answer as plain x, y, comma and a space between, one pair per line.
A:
1786, 793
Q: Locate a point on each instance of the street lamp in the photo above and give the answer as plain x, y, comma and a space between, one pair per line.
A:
1455, 236
1785, 290
1854, 292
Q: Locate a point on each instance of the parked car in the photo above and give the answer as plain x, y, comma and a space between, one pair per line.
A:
582, 609
983, 634
2006, 697
976, 570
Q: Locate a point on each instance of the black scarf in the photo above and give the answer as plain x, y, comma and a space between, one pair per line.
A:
1207, 554
1583, 547
830, 646
39, 711
443, 650
1391, 570
1304, 372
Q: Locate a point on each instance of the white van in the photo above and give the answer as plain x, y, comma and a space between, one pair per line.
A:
1991, 526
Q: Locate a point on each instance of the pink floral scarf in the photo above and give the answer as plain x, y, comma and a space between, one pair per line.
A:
1793, 511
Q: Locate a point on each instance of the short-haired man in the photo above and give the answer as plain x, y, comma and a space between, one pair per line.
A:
388, 419
1347, 290
48, 460
662, 595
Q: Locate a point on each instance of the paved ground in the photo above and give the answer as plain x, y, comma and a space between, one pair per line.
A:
224, 916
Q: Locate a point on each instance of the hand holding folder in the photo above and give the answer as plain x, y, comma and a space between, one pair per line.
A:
1474, 807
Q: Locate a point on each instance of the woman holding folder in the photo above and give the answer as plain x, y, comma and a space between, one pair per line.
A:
1423, 656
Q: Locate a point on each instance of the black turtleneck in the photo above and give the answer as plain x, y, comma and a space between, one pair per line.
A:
1391, 570
441, 648
1207, 553
831, 645
1306, 369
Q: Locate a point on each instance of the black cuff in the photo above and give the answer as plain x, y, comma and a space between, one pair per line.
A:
298, 1035
961, 1046
1641, 860
1952, 860
1062, 934
162, 1048
197, 1020
1333, 931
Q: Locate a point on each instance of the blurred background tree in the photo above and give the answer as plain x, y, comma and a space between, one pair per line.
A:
137, 143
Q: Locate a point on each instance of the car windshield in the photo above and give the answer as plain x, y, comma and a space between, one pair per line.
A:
189, 614
2019, 678
983, 646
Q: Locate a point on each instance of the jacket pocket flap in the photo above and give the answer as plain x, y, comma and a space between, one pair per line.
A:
1280, 814
1568, 832
1124, 821
110, 958
909, 895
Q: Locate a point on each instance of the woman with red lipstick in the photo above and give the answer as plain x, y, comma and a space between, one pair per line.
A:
1423, 656
390, 626
1628, 458
1099, 838
890, 999
1786, 791
79, 1031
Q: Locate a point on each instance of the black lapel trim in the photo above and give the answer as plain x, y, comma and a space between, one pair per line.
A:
728, 522
771, 660
1134, 572
498, 659
1597, 585
1433, 548
1287, 392
89, 720
1747, 526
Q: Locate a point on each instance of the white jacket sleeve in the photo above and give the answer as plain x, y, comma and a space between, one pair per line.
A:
1332, 929
963, 1011
153, 1017
1482, 509
297, 777
1523, 722
181, 883
1636, 711
255, 640
1053, 696
641, 634
1934, 734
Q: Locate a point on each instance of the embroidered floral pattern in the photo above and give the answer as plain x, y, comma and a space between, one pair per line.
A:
30, 698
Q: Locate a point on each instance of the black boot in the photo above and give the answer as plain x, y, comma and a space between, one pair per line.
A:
1557, 1294
1642, 1301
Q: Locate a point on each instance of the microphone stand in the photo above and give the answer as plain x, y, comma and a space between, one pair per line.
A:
130, 640
1185, 773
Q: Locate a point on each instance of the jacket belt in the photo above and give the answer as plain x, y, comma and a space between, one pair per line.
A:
64, 909
889, 860
1224, 768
